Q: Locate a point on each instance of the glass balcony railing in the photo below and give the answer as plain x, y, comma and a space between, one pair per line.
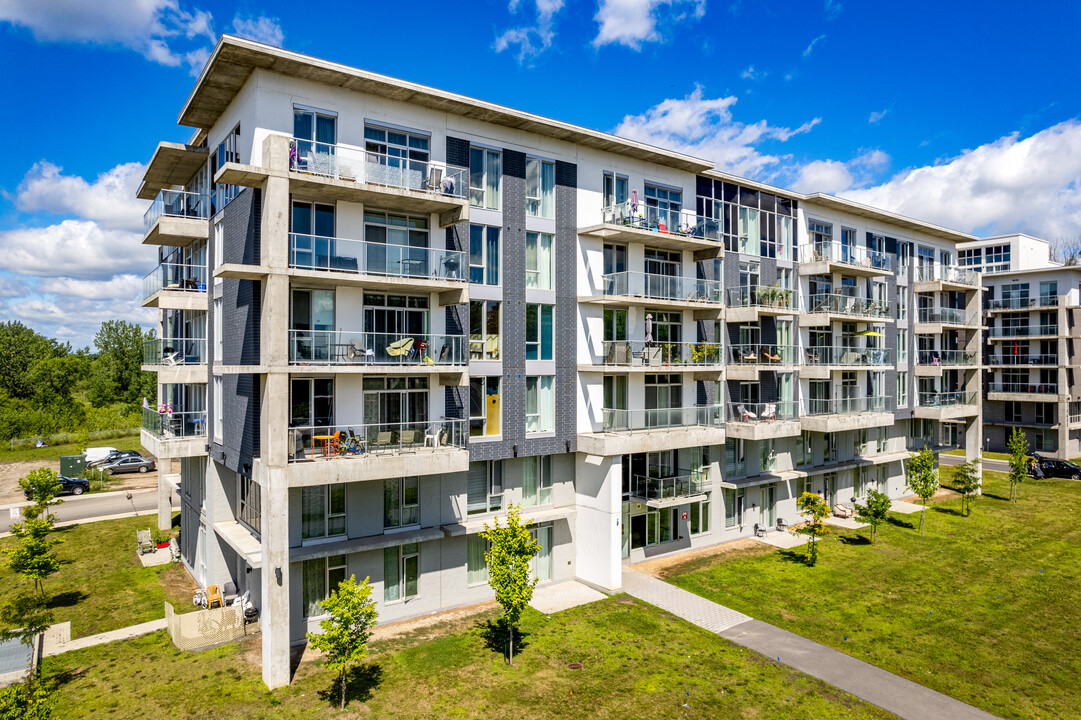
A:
175, 351
1023, 303
339, 442
626, 353
853, 356
947, 357
1022, 331
1007, 358
953, 316
175, 276
762, 296
947, 273
176, 203
1023, 387
848, 406
662, 220
835, 252
654, 419
337, 347
686, 484
945, 399
762, 412
167, 424
759, 354
316, 252
343, 162
661, 287
838, 304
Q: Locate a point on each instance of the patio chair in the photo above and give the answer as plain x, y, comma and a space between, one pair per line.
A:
144, 543
770, 357
435, 179
745, 415
358, 352
782, 524
400, 348
759, 530
749, 357
213, 595
408, 437
174, 549
382, 439
770, 412
843, 511
229, 593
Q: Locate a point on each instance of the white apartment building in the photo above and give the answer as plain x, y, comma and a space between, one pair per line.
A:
388, 312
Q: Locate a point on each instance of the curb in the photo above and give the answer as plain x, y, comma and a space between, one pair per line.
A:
87, 496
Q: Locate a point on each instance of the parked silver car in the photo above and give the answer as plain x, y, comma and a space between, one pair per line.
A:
130, 464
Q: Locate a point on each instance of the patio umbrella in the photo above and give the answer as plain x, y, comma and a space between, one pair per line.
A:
649, 328
870, 333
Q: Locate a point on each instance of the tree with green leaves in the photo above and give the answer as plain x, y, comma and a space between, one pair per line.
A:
509, 556
922, 479
347, 629
1017, 446
32, 556
116, 374
966, 478
875, 512
812, 506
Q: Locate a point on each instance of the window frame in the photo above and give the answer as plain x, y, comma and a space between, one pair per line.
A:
539, 340
402, 506
489, 193
541, 276
486, 385
495, 488
331, 564
329, 513
538, 388
543, 489
545, 185
249, 496
488, 269
402, 554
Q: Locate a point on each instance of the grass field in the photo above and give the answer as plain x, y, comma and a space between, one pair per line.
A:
101, 585
53, 452
983, 608
637, 662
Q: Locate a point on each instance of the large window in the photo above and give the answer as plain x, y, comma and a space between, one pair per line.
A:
476, 571
902, 389
321, 577
538, 261
322, 511
484, 406
614, 189
218, 400
484, 487
401, 502
539, 404
484, 254
396, 157
401, 572
733, 507
699, 517
540, 186
484, 330
249, 507
537, 481
667, 201
485, 177
314, 131
538, 332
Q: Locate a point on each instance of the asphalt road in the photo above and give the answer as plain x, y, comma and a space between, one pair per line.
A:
83, 507
996, 465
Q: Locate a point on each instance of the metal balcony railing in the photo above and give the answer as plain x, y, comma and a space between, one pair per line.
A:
343, 162
852, 356
176, 203
338, 347
952, 316
946, 357
175, 276
763, 296
661, 220
316, 252
848, 406
945, 399
947, 273
627, 353
838, 304
167, 424
686, 484
761, 354
1022, 331
836, 252
615, 420
661, 287
341, 442
1007, 358
1023, 303
175, 351
1023, 387
756, 413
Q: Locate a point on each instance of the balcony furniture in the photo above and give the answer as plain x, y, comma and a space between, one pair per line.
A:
770, 412
213, 595
451, 265
435, 179
355, 350
782, 525
432, 436
812, 356
325, 441
749, 357
408, 437
745, 415
759, 531
401, 348
383, 439
174, 550
770, 358
843, 511
144, 543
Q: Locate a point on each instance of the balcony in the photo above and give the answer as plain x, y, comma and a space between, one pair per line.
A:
939, 318
946, 405
175, 286
376, 451
1022, 331
343, 172
823, 308
1007, 359
1022, 391
662, 292
176, 218
176, 360
937, 278
746, 304
658, 357
383, 353
169, 433
829, 257
651, 430
820, 361
852, 413
762, 421
933, 362
665, 492
632, 222
1020, 304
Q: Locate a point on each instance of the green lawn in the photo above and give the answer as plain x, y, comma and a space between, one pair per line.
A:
53, 452
1004, 457
984, 608
101, 585
638, 662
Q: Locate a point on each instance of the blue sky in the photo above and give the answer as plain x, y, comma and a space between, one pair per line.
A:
964, 113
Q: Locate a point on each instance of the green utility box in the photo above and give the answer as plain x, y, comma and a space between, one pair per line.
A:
72, 465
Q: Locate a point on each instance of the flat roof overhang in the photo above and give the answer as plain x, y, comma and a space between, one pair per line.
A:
172, 164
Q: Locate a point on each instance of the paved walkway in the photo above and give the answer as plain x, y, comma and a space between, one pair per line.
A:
890, 692
58, 637
906, 508
563, 596
848, 523
785, 540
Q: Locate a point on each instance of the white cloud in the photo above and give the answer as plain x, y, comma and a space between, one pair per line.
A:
121, 286
811, 47
74, 248
833, 9
110, 200
153, 28
751, 74
705, 127
632, 22
531, 39
877, 115
833, 176
261, 29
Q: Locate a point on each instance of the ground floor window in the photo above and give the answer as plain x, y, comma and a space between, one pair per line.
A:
321, 577
322, 511
1045, 440
401, 572
733, 507
401, 502
249, 505
699, 516
537, 481
476, 570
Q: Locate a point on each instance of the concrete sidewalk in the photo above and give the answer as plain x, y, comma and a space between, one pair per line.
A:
58, 637
890, 692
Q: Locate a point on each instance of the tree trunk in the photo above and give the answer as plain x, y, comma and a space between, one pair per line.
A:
511, 644
923, 515
343, 688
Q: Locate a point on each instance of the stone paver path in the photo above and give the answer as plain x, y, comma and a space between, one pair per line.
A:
890, 692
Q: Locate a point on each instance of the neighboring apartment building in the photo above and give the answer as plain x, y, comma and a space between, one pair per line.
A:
388, 312
1030, 353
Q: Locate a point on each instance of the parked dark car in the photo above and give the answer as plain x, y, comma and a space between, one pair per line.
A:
114, 456
70, 486
130, 464
1059, 469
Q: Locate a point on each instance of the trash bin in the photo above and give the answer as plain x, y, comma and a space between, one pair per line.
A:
72, 465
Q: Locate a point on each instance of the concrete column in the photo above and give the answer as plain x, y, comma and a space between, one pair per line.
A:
598, 520
165, 493
974, 441
274, 618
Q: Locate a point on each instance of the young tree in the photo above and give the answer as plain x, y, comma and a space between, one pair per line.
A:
875, 512
32, 557
509, 557
345, 634
967, 479
923, 479
811, 505
1017, 446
